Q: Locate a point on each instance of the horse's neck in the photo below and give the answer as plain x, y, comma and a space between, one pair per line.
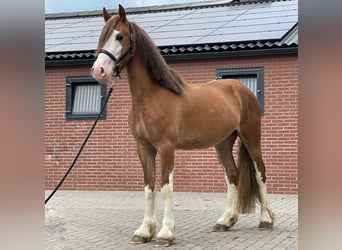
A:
140, 83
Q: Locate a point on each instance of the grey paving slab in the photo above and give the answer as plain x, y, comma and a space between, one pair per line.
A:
107, 220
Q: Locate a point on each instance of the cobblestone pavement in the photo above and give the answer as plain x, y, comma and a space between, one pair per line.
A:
106, 220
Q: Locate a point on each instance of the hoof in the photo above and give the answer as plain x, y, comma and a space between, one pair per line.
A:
220, 228
138, 240
264, 225
163, 243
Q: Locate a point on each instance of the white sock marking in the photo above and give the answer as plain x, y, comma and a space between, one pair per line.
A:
167, 230
266, 212
148, 227
231, 206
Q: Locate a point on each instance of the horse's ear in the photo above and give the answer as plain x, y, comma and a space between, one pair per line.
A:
122, 13
106, 16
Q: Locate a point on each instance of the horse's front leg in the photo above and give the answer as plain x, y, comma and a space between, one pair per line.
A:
166, 236
147, 229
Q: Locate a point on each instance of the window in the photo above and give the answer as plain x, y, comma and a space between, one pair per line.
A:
84, 98
253, 78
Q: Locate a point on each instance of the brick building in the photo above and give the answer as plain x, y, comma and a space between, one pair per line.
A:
253, 41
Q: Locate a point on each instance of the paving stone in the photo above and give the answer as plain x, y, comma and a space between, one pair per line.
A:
107, 220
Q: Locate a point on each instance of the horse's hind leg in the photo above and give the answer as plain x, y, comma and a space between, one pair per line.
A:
230, 215
251, 140
267, 216
147, 230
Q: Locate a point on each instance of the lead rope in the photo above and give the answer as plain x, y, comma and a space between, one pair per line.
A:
84, 143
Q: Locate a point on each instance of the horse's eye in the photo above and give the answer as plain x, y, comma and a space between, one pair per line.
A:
119, 37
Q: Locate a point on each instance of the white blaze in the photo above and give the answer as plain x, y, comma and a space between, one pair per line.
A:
113, 45
103, 66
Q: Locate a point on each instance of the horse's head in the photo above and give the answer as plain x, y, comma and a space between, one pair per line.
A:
115, 46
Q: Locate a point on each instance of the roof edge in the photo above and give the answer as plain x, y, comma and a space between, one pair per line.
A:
141, 10
186, 56
156, 8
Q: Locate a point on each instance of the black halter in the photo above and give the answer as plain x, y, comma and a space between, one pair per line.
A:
117, 61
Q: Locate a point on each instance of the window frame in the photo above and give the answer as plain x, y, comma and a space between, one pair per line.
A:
71, 83
238, 72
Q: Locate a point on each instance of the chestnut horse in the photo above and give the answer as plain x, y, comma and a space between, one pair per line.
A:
168, 114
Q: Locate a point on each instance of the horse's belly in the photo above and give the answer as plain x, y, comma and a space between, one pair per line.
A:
197, 144
204, 137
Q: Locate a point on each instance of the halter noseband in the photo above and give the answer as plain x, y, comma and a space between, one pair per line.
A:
117, 61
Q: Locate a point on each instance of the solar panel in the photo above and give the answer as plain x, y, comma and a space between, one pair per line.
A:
207, 20
86, 39
66, 34
176, 41
280, 14
238, 37
231, 10
153, 24
180, 33
252, 28
74, 47
222, 24
261, 21
187, 27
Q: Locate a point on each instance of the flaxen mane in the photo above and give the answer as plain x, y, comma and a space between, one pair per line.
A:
156, 65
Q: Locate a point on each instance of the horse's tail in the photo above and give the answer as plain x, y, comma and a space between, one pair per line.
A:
248, 188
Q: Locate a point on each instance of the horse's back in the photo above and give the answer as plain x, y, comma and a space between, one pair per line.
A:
229, 85
229, 90
232, 87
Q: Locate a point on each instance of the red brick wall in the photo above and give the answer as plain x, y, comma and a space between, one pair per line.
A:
109, 161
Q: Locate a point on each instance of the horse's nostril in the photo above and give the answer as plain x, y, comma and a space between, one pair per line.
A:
101, 70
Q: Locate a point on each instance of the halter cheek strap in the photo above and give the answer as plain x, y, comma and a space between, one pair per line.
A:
117, 61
